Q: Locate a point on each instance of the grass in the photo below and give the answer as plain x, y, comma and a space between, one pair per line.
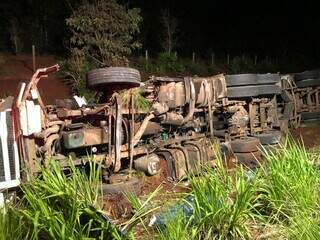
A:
280, 200
57, 206
134, 94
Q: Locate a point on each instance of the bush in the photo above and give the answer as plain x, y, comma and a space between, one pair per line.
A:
105, 30
168, 63
74, 70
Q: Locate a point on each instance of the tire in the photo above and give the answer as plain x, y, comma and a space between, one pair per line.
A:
311, 74
288, 110
272, 137
250, 160
117, 78
310, 115
243, 91
269, 90
241, 79
269, 149
132, 185
252, 91
308, 83
251, 79
268, 78
247, 145
286, 96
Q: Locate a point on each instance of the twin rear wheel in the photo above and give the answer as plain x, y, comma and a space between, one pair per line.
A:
249, 151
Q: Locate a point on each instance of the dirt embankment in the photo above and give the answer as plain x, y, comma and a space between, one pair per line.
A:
309, 134
18, 68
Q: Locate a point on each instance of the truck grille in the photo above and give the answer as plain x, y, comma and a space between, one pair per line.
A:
9, 160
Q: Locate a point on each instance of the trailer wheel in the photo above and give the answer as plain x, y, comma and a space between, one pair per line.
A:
251, 91
307, 75
310, 115
130, 185
250, 160
241, 79
272, 137
251, 79
247, 145
115, 78
268, 78
269, 149
308, 83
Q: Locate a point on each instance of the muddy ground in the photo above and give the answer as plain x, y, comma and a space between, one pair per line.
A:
309, 134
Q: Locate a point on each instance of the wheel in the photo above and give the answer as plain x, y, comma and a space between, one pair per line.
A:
310, 115
250, 160
272, 137
269, 90
311, 74
243, 91
122, 184
249, 144
115, 78
268, 78
251, 91
286, 96
241, 79
288, 110
251, 79
308, 83
269, 149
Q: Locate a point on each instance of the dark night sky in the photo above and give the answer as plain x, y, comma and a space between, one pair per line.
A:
270, 27
260, 27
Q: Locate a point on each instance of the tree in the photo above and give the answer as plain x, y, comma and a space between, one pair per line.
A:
105, 31
170, 25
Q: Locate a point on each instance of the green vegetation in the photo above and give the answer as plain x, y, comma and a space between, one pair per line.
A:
134, 94
278, 201
55, 206
105, 31
103, 34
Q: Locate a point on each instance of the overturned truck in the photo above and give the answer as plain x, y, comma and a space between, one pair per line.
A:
172, 133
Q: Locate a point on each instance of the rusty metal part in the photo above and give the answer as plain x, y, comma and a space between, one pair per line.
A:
177, 140
117, 132
229, 159
166, 164
86, 137
186, 156
191, 103
200, 149
67, 113
46, 148
250, 160
45, 133
49, 124
32, 85
131, 134
160, 108
141, 130
172, 94
249, 144
180, 165
263, 114
149, 164
172, 118
239, 120
210, 109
